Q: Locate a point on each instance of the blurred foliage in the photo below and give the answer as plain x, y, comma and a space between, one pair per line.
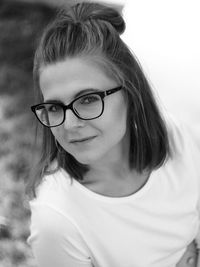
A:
21, 24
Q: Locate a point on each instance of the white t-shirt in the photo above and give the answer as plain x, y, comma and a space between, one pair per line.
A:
72, 226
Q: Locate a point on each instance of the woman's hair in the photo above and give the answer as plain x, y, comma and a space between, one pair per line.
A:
93, 30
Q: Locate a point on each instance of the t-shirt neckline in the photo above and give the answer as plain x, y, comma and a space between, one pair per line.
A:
105, 198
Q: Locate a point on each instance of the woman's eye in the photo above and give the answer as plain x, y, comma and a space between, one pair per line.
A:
53, 108
89, 99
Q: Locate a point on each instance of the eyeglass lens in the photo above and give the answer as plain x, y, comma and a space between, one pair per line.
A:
86, 107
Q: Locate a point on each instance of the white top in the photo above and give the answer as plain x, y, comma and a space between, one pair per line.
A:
71, 226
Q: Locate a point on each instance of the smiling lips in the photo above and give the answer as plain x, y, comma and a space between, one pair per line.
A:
76, 141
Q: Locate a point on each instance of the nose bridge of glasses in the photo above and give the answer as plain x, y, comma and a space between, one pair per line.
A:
66, 107
70, 115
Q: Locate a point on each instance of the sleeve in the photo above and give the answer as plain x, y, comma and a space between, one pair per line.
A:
55, 240
196, 137
194, 133
188, 139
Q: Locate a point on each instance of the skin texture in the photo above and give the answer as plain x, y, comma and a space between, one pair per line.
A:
62, 81
108, 153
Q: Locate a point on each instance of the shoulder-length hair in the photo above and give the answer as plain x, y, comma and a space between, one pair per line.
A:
91, 29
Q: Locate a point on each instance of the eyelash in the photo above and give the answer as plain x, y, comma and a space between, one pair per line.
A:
89, 99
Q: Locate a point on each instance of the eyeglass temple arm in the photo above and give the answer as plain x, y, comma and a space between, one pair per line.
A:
111, 91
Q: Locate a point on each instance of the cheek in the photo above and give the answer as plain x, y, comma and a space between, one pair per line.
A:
120, 124
114, 121
119, 112
57, 133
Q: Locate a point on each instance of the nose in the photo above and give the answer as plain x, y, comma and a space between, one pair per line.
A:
71, 120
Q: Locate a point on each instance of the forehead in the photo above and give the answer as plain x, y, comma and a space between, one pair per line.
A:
67, 78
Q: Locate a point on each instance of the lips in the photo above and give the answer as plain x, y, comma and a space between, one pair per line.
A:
81, 140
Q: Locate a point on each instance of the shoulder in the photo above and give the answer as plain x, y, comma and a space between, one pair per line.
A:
54, 186
56, 192
184, 139
184, 159
46, 220
55, 238
53, 231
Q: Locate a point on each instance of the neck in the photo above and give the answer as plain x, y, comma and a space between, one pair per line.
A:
108, 171
114, 165
116, 180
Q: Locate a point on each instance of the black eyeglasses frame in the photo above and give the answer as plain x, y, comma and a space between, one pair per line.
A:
102, 94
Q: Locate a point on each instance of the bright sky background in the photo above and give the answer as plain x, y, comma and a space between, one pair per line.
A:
165, 36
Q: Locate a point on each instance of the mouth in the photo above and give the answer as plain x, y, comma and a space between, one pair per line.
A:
83, 140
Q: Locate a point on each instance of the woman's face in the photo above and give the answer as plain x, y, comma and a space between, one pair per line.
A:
89, 141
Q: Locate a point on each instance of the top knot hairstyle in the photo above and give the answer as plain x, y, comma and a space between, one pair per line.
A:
82, 29
93, 12
93, 30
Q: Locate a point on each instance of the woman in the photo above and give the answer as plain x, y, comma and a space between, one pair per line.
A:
117, 182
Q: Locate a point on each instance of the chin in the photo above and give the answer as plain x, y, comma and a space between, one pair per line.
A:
86, 158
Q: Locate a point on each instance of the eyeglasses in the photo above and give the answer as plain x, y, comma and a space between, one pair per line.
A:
86, 107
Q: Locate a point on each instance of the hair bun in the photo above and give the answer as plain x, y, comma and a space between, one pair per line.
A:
97, 11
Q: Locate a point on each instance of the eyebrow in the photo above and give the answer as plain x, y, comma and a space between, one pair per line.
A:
80, 93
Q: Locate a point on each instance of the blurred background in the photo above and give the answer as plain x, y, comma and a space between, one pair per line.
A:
20, 27
164, 35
